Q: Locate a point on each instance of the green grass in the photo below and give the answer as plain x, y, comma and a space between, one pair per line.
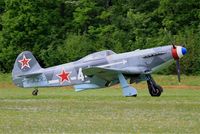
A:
61, 110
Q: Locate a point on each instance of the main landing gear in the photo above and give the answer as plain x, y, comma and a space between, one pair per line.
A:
35, 92
154, 89
126, 88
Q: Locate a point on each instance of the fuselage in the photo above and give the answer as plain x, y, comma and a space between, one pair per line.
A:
131, 63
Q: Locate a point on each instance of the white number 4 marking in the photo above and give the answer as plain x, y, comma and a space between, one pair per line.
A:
80, 75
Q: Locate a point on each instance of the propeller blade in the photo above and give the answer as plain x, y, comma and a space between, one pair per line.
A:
178, 70
174, 46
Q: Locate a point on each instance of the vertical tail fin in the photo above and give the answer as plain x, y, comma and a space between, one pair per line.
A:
25, 63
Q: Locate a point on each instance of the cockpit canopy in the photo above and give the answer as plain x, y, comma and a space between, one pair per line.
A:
97, 55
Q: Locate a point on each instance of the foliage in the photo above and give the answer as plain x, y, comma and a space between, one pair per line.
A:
59, 31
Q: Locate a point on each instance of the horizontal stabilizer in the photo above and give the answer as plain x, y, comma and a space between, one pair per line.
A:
30, 74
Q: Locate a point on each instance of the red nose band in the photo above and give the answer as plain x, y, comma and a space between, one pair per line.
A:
175, 54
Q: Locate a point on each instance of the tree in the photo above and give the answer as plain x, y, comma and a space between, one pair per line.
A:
31, 25
59, 31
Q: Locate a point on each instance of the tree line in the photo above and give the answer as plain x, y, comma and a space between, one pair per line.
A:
60, 31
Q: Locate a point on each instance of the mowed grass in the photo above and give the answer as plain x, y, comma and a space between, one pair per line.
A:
61, 110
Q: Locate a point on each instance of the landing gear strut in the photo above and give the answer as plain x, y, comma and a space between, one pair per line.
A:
126, 88
154, 89
35, 92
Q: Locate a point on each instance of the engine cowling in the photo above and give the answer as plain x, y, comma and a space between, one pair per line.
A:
178, 52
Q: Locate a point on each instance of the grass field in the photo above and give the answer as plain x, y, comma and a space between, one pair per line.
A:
61, 110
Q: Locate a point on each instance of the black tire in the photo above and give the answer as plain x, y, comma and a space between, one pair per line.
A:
154, 90
35, 92
132, 95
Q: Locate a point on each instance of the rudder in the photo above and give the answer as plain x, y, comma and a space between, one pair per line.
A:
25, 63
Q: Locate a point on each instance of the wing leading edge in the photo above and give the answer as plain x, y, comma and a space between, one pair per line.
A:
112, 73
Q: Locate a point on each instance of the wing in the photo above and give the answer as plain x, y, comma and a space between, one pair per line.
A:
110, 74
99, 78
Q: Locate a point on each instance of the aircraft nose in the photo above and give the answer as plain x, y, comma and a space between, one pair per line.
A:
184, 50
178, 52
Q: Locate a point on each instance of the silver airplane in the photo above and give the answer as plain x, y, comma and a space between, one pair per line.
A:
99, 70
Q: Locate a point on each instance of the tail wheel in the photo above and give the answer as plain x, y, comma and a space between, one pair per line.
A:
35, 92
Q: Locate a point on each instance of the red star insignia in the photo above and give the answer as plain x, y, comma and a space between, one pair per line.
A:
24, 62
64, 76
